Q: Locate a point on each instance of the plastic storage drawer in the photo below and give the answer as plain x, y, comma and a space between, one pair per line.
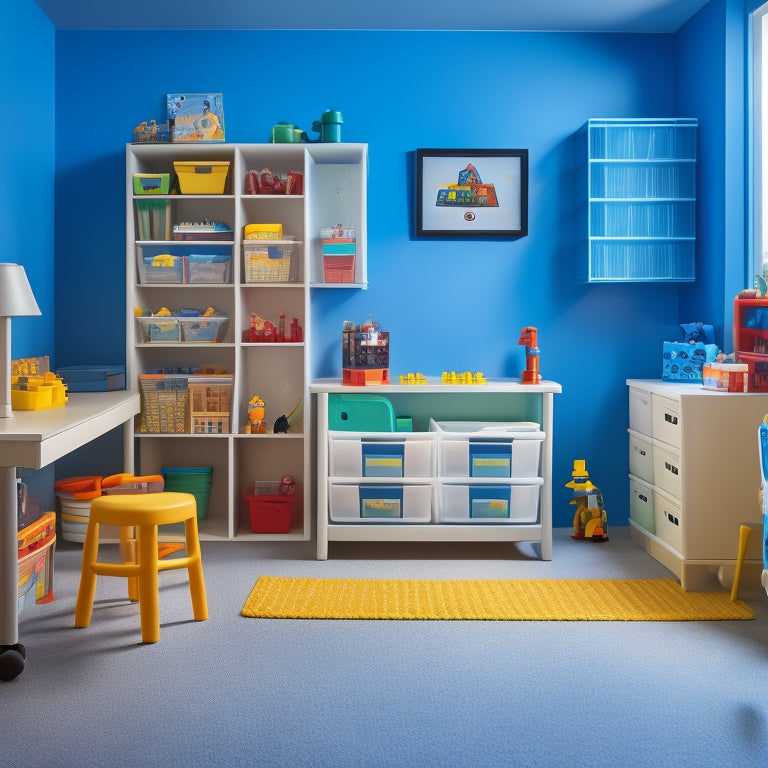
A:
640, 456
667, 516
357, 455
666, 469
380, 503
666, 419
640, 418
492, 503
481, 449
641, 504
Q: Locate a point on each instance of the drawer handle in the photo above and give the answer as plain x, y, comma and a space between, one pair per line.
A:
669, 418
640, 451
671, 468
672, 519
642, 497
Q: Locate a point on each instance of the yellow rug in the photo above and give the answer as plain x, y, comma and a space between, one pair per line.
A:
277, 597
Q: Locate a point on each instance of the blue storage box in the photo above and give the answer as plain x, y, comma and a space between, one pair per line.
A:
683, 361
92, 378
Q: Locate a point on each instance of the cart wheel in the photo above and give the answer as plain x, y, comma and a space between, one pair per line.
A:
12, 661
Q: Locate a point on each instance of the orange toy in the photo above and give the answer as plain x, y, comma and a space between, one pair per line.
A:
529, 337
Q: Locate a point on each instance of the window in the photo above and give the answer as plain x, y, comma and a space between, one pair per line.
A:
760, 133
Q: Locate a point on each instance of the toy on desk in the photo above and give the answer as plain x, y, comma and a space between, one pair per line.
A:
413, 378
286, 421
467, 377
256, 424
529, 337
590, 519
685, 360
364, 354
34, 387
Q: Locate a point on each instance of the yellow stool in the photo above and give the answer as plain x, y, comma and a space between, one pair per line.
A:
144, 512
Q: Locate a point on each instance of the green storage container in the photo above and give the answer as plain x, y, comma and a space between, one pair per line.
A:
194, 480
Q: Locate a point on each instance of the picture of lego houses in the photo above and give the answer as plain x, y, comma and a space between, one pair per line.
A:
470, 191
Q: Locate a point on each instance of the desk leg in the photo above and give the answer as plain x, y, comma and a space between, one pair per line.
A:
12, 654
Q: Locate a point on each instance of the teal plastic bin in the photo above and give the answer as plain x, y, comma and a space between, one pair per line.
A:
194, 480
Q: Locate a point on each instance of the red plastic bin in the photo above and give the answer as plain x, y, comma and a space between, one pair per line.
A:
268, 512
757, 377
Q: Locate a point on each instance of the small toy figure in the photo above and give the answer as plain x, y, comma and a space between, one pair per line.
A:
287, 420
590, 519
256, 424
529, 337
287, 485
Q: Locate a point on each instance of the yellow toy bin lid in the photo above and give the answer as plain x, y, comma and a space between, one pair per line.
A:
263, 232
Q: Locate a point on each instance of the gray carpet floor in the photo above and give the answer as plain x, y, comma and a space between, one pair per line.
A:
232, 691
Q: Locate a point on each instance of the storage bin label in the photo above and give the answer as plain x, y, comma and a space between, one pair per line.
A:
491, 501
490, 460
381, 502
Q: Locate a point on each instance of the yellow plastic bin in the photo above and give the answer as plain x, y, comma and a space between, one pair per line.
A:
202, 177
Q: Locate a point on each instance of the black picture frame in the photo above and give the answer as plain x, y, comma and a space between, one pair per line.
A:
471, 192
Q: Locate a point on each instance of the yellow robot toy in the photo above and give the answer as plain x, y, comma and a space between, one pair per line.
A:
590, 519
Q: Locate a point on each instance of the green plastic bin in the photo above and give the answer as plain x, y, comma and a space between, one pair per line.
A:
194, 480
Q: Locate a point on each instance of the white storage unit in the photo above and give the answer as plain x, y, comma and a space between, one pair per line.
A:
686, 508
450, 479
189, 251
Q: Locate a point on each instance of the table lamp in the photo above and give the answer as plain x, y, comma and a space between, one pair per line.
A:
16, 300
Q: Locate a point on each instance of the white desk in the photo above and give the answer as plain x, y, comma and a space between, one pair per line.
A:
498, 400
34, 439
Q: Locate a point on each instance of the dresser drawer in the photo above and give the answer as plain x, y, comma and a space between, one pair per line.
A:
640, 456
666, 469
665, 413
641, 504
640, 411
668, 519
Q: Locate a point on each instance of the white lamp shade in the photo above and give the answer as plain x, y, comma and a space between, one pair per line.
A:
16, 297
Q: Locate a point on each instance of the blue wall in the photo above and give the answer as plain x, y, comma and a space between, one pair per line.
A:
400, 91
469, 298
27, 163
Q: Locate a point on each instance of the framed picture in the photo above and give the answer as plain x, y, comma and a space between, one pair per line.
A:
196, 117
471, 192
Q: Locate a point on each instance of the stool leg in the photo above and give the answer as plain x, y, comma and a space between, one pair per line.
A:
149, 599
128, 555
87, 589
744, 531
195, 571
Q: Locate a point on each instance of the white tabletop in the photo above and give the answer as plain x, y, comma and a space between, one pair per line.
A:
36, 438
